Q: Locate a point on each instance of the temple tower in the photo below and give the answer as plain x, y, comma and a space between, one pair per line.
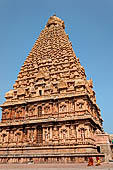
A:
51, 113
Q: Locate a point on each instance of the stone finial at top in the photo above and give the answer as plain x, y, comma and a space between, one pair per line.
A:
53, 20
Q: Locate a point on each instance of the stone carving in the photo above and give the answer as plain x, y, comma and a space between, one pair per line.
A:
47, 109
72, 106
21, 91
90, 82
55, 108
62, 84
40, 75
9, 94
53, 20
63, 108
80, 104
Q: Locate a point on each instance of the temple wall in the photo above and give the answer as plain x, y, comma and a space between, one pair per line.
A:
60, 108
47, 134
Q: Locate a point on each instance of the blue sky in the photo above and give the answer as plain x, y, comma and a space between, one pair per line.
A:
89, 24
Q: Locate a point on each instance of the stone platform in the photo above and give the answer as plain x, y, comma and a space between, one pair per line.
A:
77, 166
48, 158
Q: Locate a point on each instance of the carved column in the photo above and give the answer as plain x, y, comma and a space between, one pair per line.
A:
51, 133
21, 134
44, 135
27, 134
77, 133
68, 136
35, 134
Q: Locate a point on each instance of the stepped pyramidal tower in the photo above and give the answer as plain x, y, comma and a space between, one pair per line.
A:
51, 114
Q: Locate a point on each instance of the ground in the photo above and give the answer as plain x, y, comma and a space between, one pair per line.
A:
77, 166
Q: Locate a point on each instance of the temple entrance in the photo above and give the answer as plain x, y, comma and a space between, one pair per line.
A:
98, 149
